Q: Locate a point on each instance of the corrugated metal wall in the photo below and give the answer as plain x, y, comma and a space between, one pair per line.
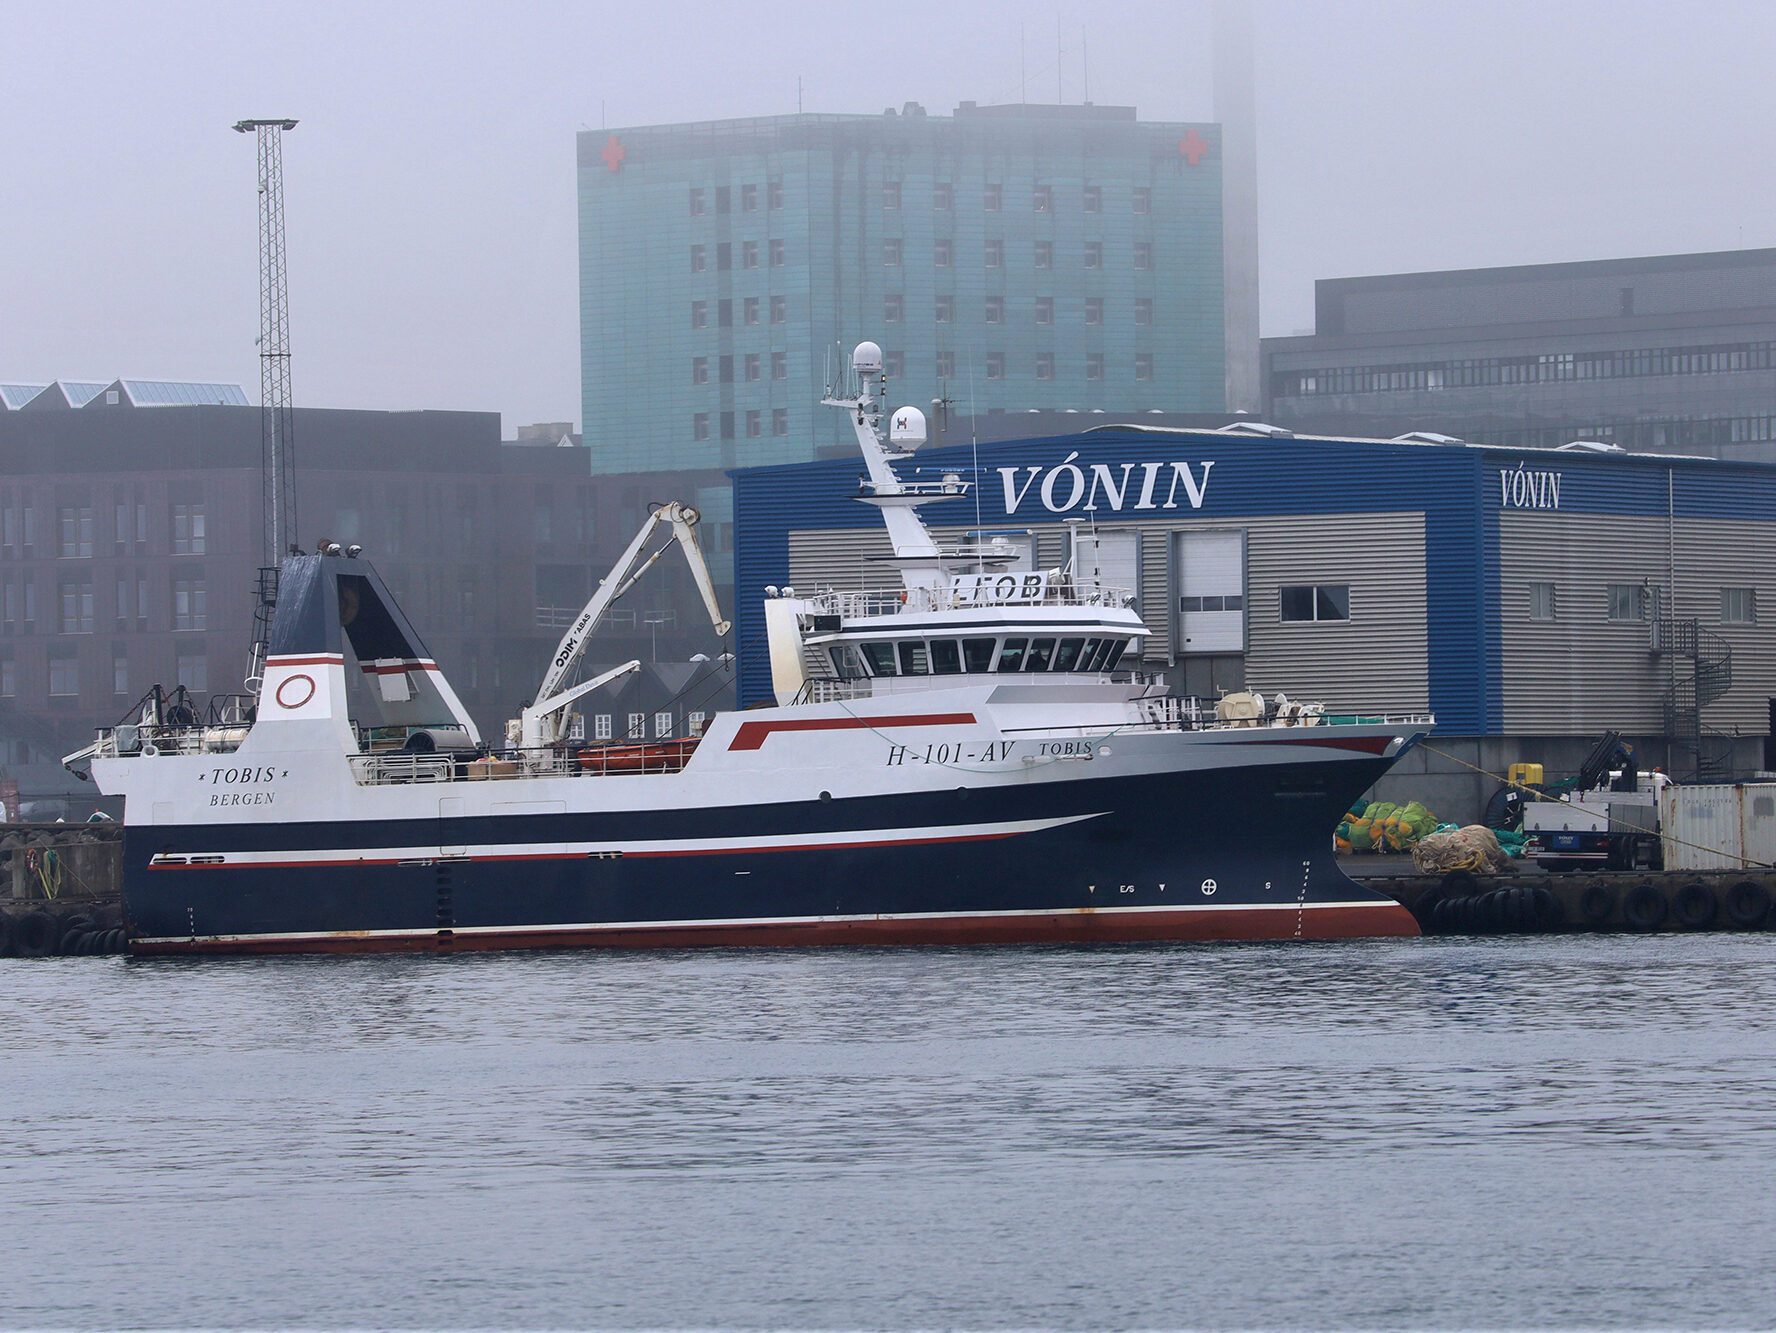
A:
1581, 672
1376, 661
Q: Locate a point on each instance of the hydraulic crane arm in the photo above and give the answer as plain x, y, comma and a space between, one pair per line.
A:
544, 721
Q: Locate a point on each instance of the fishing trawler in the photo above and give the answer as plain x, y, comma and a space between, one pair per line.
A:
972, 758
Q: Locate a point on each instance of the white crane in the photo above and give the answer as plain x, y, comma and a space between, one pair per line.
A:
544, 723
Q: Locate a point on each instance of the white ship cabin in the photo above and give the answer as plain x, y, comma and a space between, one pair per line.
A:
960, 611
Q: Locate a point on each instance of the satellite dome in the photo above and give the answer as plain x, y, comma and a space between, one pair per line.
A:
867, 359
906, 429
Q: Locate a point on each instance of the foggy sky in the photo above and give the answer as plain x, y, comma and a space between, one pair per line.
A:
431, 193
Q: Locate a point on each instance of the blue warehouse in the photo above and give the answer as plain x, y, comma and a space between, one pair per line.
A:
1531, 599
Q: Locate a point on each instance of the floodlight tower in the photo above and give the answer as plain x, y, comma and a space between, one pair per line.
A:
277, 446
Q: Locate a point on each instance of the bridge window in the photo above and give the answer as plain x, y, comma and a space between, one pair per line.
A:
913, 659
1011, 656
1067, 656
946, 658
880, 657
845, 663
1041, 652
977, 654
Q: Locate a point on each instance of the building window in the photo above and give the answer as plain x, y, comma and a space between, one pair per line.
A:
76, 532
1143, 254
188, 530
940, 254
1143, 199
995, 365
699, 370
699, 314
722, 196
1094, 254
891, 251
779, 364
694, 721
995, 254
1094, 310
1143, 310
699, 259
1094, 365
1316, 602
189, 602
696, 202
750, 310
943, 196
77, 608
601, 727
727, 425
1738, 606
1045, 365
946, 309
749, 254
995, 310
1143, 365
119, 672
754, 425
992, 197
662, 725
752, 367
776, 254
141, 604
779, 309
1045, 253
891, 194
749, 198
194, 671
946, 365
637, 726
64, 676
700, 426
1042, 198
891, 309
780, 421
1094, 199
774, 194
1045, 310
1627, 601
1541, 601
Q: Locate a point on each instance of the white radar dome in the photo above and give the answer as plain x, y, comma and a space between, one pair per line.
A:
867, 359
906, 429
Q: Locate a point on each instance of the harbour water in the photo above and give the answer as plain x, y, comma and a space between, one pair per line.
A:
1440, 1132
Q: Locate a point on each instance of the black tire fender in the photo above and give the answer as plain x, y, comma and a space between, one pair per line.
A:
5, 934
34, 934
1459, 884
1694, 907
1644, 908
1548, 913
1748, 903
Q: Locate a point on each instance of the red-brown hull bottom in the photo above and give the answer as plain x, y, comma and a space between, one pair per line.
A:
1086, 927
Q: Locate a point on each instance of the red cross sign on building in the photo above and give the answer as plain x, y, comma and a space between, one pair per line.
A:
1193, 147
614, 153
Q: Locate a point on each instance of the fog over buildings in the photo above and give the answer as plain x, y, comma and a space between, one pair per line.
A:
431, 182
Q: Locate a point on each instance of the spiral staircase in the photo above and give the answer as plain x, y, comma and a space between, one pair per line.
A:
1702, 672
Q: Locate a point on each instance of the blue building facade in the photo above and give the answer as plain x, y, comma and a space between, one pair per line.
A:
1527, 597
1005, 258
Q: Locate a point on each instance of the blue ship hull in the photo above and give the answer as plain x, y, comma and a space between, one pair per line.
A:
1216, 854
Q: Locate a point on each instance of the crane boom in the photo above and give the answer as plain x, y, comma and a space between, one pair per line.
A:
544, 722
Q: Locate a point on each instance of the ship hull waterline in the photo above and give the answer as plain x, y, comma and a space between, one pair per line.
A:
1201, 855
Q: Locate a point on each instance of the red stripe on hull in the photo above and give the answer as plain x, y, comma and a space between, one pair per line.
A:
1083, 927
752, 735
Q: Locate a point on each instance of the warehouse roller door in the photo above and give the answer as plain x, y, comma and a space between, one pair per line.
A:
1209, 593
